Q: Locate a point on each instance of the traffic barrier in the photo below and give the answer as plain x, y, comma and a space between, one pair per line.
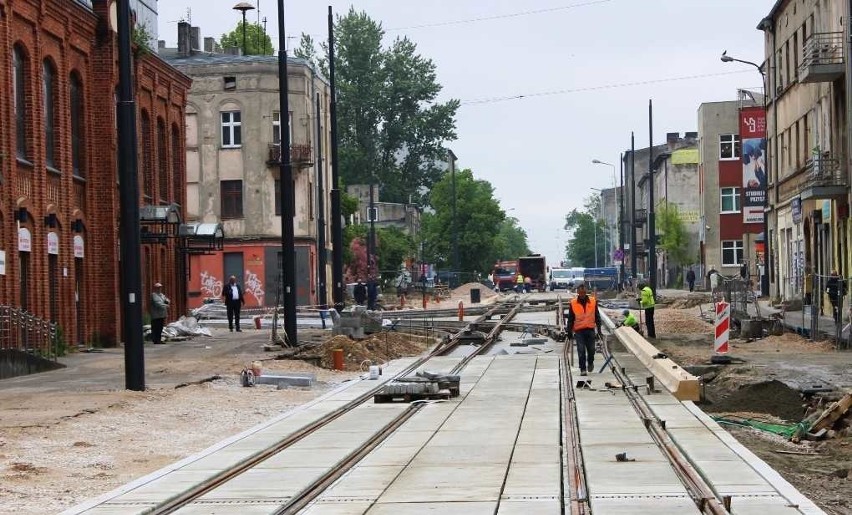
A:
723, 327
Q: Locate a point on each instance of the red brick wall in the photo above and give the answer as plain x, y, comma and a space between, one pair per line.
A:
74, 40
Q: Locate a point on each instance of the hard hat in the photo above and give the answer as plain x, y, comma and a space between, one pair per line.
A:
625, 312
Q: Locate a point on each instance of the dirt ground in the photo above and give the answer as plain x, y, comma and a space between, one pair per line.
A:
764, 383
75, 433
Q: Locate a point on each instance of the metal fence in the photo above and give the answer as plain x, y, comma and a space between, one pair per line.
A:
23, 331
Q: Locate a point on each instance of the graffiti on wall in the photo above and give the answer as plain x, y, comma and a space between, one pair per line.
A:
254, 286
210, 286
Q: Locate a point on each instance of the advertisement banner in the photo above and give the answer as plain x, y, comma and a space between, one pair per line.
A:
753, 140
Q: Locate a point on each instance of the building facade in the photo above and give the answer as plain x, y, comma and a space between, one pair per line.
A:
58, 162
807, 133
233, 154
727, 240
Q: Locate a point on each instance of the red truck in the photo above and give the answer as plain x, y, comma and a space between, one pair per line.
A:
504, 275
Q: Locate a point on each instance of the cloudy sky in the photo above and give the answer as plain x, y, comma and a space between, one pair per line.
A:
585, 68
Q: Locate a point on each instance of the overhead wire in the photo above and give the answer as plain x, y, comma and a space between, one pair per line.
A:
523, 96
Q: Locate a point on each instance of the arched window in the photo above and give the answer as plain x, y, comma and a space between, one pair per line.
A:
177, 166
51, 128
162, 160
19, 84
78, 127
147, 151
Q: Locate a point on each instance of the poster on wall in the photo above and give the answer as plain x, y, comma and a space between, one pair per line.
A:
2, 262
753, 140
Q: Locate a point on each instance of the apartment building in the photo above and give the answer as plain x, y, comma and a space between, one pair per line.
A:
731, 223
233, 155
59, 202
809, 152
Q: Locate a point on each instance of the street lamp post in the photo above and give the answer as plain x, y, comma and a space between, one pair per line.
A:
243, 7
767, 251
615, 187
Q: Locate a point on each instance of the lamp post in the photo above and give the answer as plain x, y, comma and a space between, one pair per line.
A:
243, 7
615, 186
452, 159
767, 251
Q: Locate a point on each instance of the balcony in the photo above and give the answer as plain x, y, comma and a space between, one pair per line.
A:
822, 178
301, 156
822, 60
640, 217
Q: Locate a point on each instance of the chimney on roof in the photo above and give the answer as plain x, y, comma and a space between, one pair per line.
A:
194, 39
233, 50
210, 45
161, 44
184, 47
690, 135
672, 139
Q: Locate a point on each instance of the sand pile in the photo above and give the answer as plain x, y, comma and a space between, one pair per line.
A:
378, 348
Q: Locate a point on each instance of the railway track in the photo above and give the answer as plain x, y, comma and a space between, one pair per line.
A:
304, 497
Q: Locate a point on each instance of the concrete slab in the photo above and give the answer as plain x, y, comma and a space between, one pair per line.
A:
248, 508
462, 438
632, 478
436, 455
446, 484
300, 457
605, 452
530, 507
534, 454
527, 480
361, 481
337, 508
408, 439
120, 509
615, 435
651, 505
438, 508
266, 484
539, 436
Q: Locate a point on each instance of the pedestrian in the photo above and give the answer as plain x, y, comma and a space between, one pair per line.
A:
690, 279
646, 302
743, 270
836, 289
234, 301
360, 292
159, 310
582, 322
713, 278
527, 284
401, 287
372, 294
519, 283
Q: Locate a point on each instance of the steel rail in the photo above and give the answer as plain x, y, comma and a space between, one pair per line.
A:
489, 339
576, 480
699, 489
186, 497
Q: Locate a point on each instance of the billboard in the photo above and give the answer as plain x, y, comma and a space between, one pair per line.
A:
753, 155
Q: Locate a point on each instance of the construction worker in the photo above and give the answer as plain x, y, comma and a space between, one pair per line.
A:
519, 283
630, 320
646, 302
583, 319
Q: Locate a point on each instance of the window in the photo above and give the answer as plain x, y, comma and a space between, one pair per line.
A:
50, 125
162, 160
230, 83
231, 193
231, 129
78, 139
276, 128
732, 253
19, 83
147, 154
177, 165
730, 200
729, 146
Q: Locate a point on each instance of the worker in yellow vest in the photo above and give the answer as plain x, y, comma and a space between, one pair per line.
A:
583, 319
646, 302
519, 283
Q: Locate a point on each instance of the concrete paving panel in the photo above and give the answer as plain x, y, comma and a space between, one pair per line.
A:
325, 440
220, 459
446, 484
676, 416
390, 456
496, 436
105, 509
632, 478
367, 482
265, 484
651, 505
403, 438
436, 508
436, 455
532, 454
229, 509
539, 436
615, 435
529, 507
528, 480
300, 457
337, 508
605, 452
762, 505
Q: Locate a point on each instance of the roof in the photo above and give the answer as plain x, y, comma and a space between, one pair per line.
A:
207, 59
772, 13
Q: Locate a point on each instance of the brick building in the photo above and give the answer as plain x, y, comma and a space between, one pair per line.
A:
58, 164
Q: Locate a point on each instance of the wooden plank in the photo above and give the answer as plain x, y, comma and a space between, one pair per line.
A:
683, 385
832, 414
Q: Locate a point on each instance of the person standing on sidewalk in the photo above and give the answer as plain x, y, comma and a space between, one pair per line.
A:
836, 289
646, 302
690, 279
583, 319
233, 303
159, 310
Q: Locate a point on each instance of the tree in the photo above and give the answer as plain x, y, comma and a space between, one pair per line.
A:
585, 230
478, 217
392, 129
257, 41
394, 247
511, 240
674, 241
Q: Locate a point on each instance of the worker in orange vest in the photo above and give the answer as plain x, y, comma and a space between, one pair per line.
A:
583, 319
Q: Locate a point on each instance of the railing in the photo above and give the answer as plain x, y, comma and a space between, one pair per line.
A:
54, 187
24, 183
23, 331
822, 170
640, 217
299, 155
823, 48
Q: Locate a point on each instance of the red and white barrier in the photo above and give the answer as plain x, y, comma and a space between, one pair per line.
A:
723, 327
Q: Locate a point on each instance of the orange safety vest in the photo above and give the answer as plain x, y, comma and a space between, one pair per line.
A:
584, 318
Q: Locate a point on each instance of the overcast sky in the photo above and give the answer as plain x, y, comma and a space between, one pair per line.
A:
537, 151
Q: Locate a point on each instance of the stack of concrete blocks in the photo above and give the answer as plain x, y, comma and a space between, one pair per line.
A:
357, 323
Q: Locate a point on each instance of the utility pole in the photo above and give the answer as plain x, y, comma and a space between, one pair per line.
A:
621, 219
452, 159
371, 240
288, 191
336, 214
652, 230
632, 206
321, 252
129, 230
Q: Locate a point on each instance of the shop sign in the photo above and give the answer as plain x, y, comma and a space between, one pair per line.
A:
25, 240
79, 247
826, 211
796, 208
753, 140
53, 243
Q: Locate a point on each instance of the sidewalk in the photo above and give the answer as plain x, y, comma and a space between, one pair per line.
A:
800, 322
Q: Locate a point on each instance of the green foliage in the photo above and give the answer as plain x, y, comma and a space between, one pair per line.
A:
60, 346
141, 37
479, 219
511, 240
673, 237
585, 228
257, 41
392, 129
348, 205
